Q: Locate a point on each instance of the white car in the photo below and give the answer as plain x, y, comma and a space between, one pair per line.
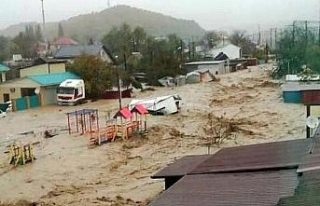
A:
2, 114
10, 106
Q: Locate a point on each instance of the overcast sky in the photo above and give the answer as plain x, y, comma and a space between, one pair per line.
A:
210, 14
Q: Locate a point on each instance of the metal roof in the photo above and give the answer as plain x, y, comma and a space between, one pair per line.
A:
3, 68
204, 63
64, 41
123, 113
276, 155
72, 51
181, 167
307, 193
139, 108
21, 82
295, 86
82, 112
53, 78
253, 188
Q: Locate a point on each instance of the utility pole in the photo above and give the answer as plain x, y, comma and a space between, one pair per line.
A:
44, 26
275, 37
293, 33
271, 43
118, 82
259, 35
306, 27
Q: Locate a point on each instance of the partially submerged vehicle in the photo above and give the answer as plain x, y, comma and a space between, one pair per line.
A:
163, 105
71, 92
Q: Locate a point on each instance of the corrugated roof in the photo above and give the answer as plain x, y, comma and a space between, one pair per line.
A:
181, 167
295, 86
124, 112
312, 161
21, 82
139, 108
307, 193
276, 155
53, 79
4, 68
204, 63
255, 189
73, 51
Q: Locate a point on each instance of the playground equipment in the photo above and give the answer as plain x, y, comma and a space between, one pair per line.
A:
84, 121
140, 114
103, 134
20, 155
125, 126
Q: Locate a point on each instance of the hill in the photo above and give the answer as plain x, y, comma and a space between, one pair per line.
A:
95, 25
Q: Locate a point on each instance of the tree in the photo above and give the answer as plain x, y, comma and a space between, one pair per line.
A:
138, 38
211, 39
97, 74
217, 130
238, 38
60, 30
38, 33
157, 57
4, 48
296, 48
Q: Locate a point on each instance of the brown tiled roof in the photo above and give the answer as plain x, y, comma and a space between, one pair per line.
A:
181, 167
276, 155
241, 189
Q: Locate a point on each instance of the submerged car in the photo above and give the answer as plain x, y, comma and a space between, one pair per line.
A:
2, 114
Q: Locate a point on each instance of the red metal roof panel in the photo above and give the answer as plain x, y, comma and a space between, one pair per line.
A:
139, 108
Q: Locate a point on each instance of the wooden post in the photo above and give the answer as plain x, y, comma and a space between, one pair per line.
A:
97, 119
77, 122
307, 128
69, 127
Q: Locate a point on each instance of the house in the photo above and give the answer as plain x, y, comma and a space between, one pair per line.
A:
44, 66
60, 42
71, 52
43, 85
3, 70
278, 173
215, 67
35, 67
230, 50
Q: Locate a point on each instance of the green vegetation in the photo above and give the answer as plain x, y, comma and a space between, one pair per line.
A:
97, 74
297, 49
95, 25
138, 52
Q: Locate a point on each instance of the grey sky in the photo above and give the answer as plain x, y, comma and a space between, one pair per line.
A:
210, 14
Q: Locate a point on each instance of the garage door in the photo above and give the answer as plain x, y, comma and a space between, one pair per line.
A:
49, 95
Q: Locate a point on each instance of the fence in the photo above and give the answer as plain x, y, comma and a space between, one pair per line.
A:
24, 103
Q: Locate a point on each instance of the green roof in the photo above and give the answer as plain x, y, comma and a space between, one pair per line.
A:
53, 79
4, 68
